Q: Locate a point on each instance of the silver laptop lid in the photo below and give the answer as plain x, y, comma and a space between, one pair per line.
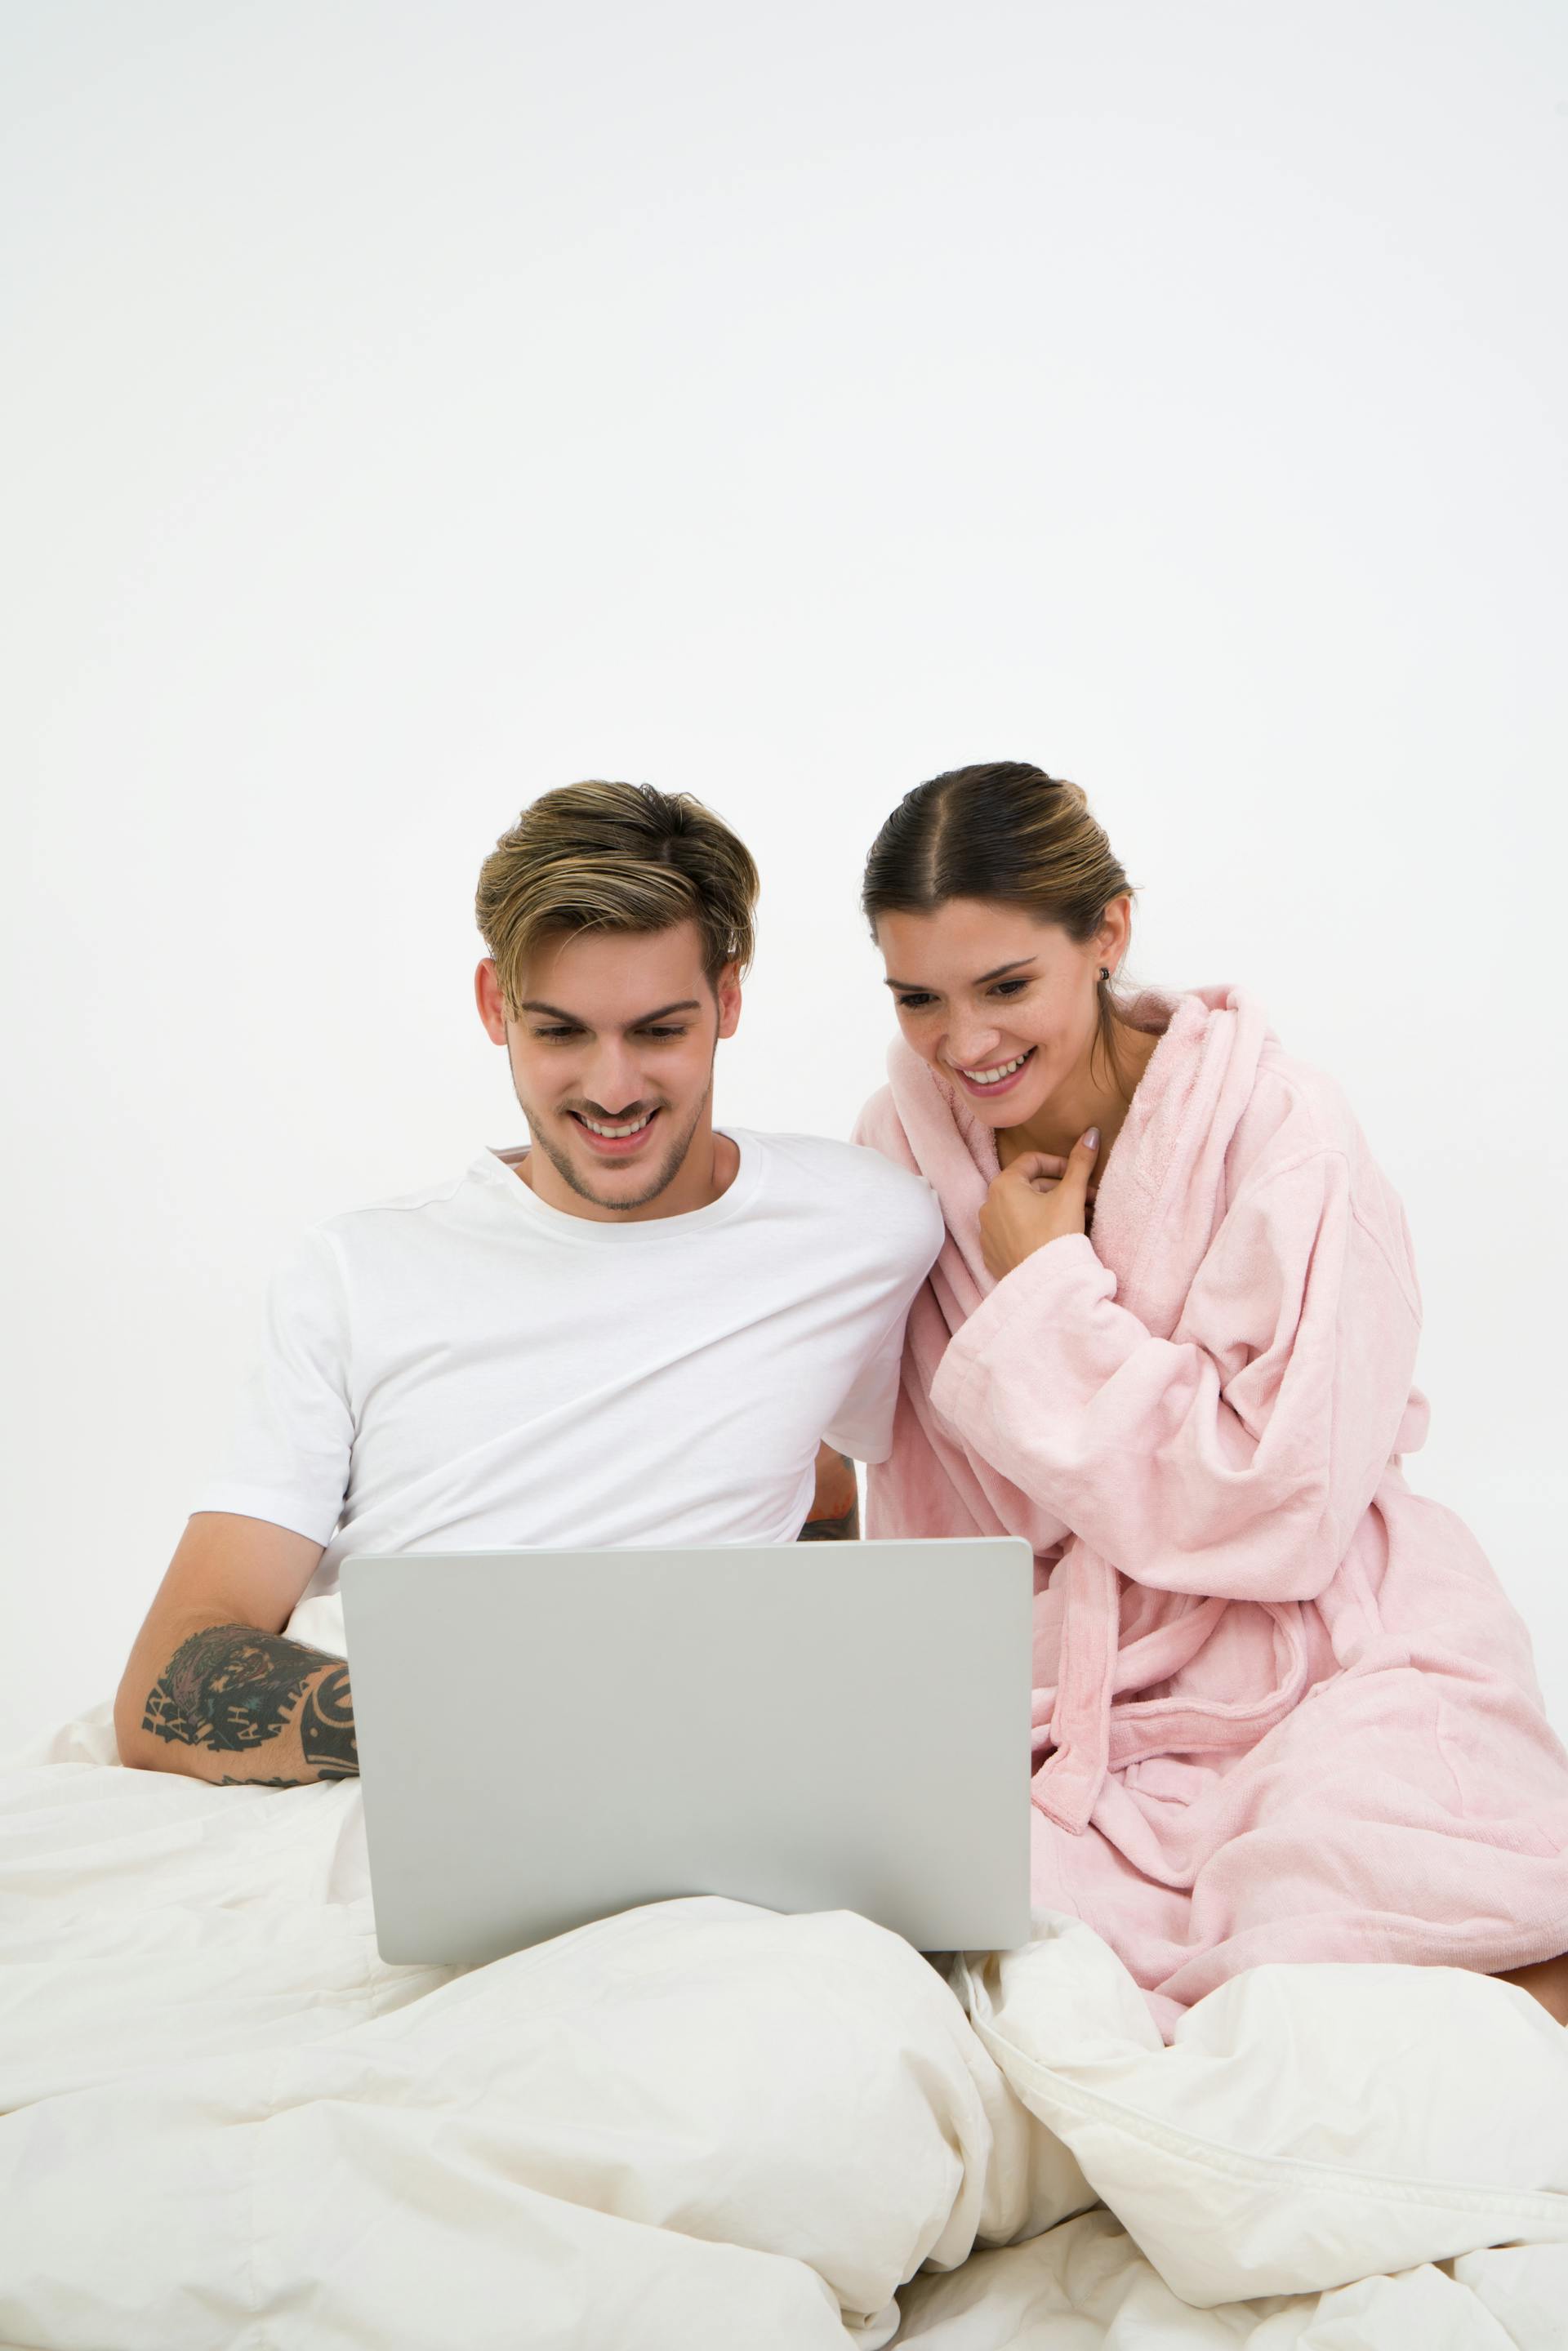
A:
547, 1736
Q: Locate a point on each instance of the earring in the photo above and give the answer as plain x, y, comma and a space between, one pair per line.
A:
1103, 973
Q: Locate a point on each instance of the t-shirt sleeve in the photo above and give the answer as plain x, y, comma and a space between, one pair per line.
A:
863, 1424
293, 1430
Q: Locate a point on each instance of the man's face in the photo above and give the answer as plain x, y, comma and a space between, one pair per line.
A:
613, 1063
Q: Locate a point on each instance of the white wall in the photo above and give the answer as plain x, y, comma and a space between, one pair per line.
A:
409, 407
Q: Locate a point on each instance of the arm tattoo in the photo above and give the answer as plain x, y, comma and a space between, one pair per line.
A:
326, 1728
229, 1687
232, 1688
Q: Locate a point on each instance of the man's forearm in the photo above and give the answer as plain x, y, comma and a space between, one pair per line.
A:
235, 1704
835, 1509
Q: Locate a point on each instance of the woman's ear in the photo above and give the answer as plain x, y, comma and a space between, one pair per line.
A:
1112, 939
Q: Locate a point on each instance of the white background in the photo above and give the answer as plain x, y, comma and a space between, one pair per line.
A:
411, 407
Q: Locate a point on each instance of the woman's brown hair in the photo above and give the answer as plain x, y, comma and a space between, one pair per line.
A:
615, 857
1006, 832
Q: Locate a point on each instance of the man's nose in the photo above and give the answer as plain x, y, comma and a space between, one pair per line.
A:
611, 1077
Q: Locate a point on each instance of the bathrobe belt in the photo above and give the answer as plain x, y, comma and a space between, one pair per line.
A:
1083, 1731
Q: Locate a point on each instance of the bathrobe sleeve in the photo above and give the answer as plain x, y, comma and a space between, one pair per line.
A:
1236, 1457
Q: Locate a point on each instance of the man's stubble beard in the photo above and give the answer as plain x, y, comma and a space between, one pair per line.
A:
673, 1160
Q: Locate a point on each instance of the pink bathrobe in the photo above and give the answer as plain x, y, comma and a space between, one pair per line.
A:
1283, 1709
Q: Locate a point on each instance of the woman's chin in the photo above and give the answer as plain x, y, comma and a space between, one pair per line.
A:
1003, 1115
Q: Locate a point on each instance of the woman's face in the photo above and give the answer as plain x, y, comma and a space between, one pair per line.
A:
1001, 1005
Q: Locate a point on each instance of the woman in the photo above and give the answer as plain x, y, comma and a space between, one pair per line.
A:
1283, 1709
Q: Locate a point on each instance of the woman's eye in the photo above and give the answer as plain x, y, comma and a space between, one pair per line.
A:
1009, 987
913, 1003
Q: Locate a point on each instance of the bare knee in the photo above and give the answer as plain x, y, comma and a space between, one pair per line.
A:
1546, 1981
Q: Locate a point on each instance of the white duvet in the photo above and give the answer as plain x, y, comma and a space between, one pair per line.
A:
224, 2123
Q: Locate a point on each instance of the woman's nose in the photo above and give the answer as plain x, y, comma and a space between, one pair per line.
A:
967, 1048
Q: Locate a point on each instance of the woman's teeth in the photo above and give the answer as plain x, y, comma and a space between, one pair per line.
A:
994, 1077
615, 1133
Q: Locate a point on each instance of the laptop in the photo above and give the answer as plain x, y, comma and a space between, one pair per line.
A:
549, 1736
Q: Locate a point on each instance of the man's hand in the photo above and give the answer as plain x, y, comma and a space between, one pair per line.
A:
1039, 1198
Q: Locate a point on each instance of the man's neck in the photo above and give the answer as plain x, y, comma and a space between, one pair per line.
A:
710, 1166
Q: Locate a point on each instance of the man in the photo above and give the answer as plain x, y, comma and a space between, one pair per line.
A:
637, 1331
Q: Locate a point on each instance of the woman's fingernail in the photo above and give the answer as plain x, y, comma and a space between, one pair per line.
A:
1090, 1141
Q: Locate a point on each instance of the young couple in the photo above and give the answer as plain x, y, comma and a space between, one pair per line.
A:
1118, 1276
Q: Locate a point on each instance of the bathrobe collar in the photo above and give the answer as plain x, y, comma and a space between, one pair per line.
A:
1171, 1148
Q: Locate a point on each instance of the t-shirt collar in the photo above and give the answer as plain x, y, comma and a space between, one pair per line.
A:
498, 1163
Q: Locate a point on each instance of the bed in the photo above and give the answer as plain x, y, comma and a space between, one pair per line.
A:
224, 2121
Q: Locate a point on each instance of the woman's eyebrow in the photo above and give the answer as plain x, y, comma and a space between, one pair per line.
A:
914, 985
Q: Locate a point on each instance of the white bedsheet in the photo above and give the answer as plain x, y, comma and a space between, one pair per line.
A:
224, 2123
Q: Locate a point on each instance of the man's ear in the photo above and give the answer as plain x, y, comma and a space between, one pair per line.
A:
488, 996
726, 990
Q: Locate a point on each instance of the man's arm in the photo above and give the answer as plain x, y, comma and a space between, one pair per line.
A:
213, 1688
835, 1515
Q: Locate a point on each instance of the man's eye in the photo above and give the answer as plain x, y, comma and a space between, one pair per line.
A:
666, 1032
556, 1032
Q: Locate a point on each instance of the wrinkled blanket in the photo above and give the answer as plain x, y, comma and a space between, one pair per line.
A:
223, 2122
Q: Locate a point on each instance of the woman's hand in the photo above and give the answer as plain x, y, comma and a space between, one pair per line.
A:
1037, 1198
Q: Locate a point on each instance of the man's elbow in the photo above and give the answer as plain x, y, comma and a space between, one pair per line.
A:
135, 1746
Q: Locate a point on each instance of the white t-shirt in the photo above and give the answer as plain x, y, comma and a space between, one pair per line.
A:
468, 1367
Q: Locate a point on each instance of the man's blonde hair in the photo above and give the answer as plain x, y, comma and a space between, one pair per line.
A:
614, 857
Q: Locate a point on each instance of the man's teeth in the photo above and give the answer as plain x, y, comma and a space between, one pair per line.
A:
636, 1127
994, 1077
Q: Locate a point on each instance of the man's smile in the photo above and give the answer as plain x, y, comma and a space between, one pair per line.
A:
614, 1139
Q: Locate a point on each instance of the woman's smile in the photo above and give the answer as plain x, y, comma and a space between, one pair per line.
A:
998, 1077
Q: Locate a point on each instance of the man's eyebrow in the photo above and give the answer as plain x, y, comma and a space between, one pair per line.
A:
916, 989
554, 1012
